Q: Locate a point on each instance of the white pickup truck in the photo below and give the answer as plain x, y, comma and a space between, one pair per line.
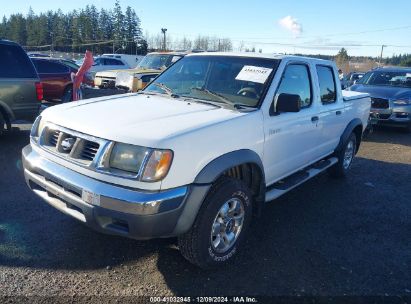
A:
199, 151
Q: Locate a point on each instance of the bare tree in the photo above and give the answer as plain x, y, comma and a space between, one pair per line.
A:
241, 46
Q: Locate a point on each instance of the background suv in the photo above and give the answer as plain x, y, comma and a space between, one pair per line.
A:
20, 87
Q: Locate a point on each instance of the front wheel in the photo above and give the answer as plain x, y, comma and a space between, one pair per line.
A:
345, 157
220, 225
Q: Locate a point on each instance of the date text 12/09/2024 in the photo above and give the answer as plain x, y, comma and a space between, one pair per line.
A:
240, 299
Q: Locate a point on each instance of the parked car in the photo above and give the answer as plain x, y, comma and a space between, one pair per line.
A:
353, 77
55, 75
199, 151
20, 86
39, 55
136, 79
131, 60
103, 63
390, 91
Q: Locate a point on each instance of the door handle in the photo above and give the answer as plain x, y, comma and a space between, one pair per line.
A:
314, 118
338, 113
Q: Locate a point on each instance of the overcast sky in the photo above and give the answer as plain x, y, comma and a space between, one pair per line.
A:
309, 27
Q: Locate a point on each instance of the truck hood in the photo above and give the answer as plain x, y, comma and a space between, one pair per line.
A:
387, 92
146, 120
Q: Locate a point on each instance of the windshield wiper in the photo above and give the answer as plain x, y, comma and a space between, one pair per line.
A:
220, 97
166, 89
241, 106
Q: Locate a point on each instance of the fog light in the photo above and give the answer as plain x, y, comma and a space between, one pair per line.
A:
401, 115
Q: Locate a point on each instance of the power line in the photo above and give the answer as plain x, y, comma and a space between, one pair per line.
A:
304, 37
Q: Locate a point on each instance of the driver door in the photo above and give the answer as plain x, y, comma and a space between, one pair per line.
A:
291, 139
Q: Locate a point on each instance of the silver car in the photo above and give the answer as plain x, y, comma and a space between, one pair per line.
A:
390, 91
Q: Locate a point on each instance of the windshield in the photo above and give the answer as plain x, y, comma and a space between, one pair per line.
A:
155, 62
221, 79
387, 78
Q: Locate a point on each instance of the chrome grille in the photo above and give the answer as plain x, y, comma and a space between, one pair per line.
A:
53, 138
89, 150
379, 103
72, 145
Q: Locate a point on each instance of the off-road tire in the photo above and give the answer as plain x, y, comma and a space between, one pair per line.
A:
195, 245
339, 169
68, 94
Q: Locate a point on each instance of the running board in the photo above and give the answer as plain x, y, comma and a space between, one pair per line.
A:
296, 179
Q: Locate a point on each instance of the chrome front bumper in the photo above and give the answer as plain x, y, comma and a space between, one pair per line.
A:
397, 115
102, 206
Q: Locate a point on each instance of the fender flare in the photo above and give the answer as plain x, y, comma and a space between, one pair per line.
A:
347, 132
216, 167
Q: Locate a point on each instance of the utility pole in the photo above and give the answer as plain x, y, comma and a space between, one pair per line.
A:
382, 50
164, 30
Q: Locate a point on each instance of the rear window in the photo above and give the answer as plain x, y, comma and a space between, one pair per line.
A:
14, 63
112, 62
49, 67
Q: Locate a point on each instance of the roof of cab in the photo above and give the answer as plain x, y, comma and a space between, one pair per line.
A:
261, 55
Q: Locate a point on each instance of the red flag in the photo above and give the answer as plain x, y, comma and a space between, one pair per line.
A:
78, 78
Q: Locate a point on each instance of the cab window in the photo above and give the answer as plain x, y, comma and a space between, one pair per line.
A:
327, 84
296, 80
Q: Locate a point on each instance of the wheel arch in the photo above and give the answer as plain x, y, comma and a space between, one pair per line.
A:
243, 164
7, 114
355, 126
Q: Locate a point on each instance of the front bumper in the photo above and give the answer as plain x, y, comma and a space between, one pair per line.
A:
109, 208
393, 116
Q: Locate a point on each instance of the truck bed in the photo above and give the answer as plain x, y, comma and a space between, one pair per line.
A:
351, 95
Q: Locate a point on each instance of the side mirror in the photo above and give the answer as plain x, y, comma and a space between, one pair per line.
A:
288, 103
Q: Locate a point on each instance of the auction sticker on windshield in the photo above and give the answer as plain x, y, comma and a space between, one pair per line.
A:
253, 74
90, 197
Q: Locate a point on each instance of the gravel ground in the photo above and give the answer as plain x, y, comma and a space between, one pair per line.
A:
327, 237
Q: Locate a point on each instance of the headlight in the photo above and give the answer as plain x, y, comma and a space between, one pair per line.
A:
127, 157
37, 128
149, 165
402, 102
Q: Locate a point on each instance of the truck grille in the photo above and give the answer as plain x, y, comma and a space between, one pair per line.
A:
90, 150
74, 146
379, 103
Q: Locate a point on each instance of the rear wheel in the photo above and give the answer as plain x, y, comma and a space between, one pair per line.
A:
220, 225
68, 94
345, 157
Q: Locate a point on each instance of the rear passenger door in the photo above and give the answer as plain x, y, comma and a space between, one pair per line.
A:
291, 139
331, 110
